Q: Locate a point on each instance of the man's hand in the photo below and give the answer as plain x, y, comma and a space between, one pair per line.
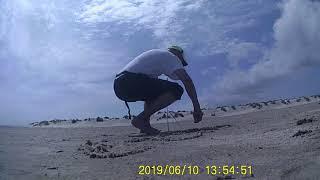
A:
197, 116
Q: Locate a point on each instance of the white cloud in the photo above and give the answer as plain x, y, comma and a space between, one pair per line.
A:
247, 52
206, 71
191, 24
65, 53
156, 15
54, 54
48, 69
296, 47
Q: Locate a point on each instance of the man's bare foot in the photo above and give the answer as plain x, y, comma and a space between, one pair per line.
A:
150, 131
148, 126
144, 125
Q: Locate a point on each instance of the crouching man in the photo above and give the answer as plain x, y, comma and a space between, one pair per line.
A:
138, 81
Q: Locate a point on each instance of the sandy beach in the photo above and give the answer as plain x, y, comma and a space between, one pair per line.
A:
278, 143
72, 72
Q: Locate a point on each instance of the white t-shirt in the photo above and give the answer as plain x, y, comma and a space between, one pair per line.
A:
154, 63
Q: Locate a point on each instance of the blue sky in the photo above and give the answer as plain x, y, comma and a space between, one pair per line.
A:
58, 58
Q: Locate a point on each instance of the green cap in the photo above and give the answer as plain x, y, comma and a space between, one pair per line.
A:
179, 49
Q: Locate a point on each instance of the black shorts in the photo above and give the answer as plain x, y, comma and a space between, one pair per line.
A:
133, 87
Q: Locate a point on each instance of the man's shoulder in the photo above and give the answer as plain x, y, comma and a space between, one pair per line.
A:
157, 51
155, 54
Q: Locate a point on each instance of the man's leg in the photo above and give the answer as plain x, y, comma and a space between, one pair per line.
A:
159, 103
147, 121
151, 107
146, 105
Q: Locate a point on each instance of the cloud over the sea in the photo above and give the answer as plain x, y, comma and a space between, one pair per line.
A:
296, 48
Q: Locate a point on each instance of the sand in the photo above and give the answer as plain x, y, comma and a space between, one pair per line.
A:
279, 143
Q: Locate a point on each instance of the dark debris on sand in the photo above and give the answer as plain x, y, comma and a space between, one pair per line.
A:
304, 121
225, 177
89, 143
105, 150
302, 132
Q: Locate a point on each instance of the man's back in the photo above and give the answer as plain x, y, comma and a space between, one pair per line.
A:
154, 63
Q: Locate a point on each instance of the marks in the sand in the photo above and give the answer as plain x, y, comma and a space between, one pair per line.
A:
103, 149
107, 135
202, 130
183, 132
173, 137
179, 135
225, 177
115, 147
301, 133
193, 136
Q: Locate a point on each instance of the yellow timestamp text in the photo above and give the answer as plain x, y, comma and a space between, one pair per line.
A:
229, 170
195, 170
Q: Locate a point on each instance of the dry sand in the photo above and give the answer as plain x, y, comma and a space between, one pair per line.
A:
281, 143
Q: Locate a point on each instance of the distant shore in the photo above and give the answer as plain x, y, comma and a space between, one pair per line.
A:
162, 116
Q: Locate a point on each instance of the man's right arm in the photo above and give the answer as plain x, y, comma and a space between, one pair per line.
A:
191, 90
